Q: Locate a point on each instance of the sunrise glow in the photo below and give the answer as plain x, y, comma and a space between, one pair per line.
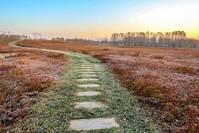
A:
98, 18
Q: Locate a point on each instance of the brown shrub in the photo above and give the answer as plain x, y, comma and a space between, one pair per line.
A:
136, 53
56, 55
192, 120
5, 49
37, 84
185, 70
148, 89
158, 57
170, 111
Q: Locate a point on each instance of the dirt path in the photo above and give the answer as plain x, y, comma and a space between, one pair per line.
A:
88, 99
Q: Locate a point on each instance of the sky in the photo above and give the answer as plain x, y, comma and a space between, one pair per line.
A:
98, 18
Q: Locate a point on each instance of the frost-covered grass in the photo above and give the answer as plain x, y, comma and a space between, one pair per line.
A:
23, 74
165, 80
55, 108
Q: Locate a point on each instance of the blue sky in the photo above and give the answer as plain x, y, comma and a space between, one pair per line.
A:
89, 18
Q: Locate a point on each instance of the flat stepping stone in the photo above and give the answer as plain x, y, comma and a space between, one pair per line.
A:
86, 67
85, 71
88, 93
87, 79
88, 85
93, 124
89, 105
88, 75
88, 72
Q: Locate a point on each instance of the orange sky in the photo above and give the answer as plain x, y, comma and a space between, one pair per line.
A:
98, 18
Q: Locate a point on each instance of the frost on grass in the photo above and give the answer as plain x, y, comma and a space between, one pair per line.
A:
165, 80
22, 76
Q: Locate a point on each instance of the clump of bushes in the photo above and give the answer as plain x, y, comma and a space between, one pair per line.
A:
158, 57
55, 55
136, 53
185, 70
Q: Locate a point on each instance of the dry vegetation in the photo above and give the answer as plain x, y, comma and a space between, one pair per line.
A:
22, 76
165, 80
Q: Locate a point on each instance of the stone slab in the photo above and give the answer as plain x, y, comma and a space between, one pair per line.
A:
88, 72
86, 67
93, 124
88, 93
88, 85
83, 69
88, 75
87, 79
89, 105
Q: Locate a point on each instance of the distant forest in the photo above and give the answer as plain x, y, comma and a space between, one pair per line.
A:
150, 39
176, 39
7, 37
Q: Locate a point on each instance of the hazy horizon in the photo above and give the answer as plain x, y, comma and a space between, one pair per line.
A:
98, 18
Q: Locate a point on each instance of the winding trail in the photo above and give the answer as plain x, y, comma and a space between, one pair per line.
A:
86, 99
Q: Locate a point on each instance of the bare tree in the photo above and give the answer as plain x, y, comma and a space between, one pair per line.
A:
115, 38
159, 39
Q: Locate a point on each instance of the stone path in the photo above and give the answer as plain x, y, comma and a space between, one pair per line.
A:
88, 93
88, 75
89, 101
88, 78
88, 85
93, 124
89, 105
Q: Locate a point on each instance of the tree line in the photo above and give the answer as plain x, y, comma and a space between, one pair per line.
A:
6, 36
150, 39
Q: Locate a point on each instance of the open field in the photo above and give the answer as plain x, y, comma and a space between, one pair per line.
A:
23, 74
56, 109
166, 81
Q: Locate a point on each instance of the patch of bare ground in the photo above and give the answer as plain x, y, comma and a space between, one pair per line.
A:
22, 76
166, 81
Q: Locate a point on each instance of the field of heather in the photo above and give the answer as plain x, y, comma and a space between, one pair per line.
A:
165, 81
23, 74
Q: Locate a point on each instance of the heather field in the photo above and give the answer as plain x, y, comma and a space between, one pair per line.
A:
165, 81
23, 74
99, 66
